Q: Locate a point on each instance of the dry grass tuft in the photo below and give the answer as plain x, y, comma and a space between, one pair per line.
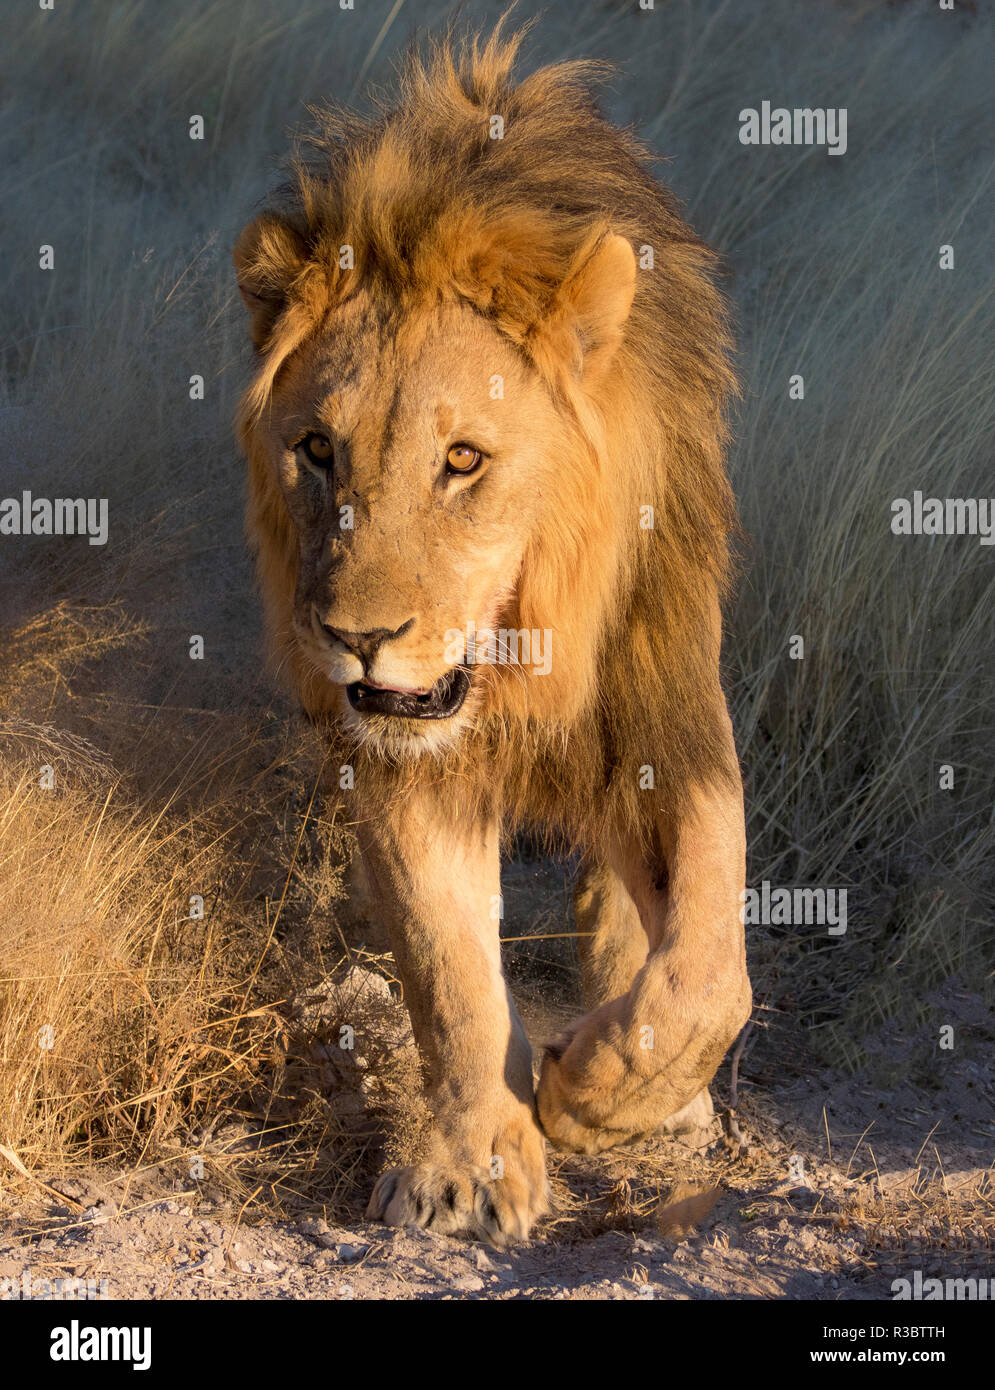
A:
156, 931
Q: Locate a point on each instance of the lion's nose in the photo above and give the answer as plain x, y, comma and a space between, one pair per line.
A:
367, 644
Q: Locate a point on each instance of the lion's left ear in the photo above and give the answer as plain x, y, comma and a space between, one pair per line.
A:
268, 256
594, 301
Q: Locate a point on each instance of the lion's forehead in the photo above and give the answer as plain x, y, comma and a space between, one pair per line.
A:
389, 377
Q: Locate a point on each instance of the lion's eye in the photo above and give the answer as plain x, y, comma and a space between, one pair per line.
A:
462, 459
318, 449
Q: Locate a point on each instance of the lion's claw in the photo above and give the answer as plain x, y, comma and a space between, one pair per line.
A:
458, 1198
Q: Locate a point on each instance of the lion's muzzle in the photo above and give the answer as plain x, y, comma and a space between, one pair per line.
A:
441, 702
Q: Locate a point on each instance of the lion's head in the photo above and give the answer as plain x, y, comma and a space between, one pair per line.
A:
485, 434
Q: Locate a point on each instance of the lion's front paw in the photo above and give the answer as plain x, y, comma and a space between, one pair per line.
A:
585, 1087
613, 1077
499, 1203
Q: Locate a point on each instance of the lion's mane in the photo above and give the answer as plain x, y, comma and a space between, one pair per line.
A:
433, 207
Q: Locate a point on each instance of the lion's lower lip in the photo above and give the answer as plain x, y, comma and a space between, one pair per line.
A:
441, 702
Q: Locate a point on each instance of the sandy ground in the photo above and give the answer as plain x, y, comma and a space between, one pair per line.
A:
843, 1231
846, 1186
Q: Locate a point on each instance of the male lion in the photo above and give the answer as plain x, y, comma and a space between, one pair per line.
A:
492, 373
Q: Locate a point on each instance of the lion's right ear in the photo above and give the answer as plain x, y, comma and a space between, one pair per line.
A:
268, 256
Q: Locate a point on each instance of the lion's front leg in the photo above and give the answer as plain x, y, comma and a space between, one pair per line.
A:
436, 879
624, 1069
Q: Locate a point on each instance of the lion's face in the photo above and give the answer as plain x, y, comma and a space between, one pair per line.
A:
426, 489
412, 456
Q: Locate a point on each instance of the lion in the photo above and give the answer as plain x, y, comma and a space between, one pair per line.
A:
489, 415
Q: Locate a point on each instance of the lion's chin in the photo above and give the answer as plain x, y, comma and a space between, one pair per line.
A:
400, 740
398, 725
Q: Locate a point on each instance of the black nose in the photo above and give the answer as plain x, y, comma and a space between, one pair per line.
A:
367, 644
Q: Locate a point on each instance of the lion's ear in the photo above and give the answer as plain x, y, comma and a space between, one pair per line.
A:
597, 297
268, 257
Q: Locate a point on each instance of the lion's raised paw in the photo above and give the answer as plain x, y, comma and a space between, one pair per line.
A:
458, 1199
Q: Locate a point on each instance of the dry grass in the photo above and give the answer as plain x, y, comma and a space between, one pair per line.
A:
175, 777
135, 1031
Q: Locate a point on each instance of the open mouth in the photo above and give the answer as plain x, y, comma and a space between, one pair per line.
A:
441, 702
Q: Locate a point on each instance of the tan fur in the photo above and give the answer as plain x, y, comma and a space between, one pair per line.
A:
473, 259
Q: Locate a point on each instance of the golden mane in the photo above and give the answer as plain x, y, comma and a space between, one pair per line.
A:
434, 208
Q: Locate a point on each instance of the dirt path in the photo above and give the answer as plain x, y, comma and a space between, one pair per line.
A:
846, 1187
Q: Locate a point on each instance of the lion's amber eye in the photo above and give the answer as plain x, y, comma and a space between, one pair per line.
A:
318, 449
462, 459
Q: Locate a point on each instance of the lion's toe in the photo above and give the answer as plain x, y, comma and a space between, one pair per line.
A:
574, 1118
433, 1198
459, 1199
